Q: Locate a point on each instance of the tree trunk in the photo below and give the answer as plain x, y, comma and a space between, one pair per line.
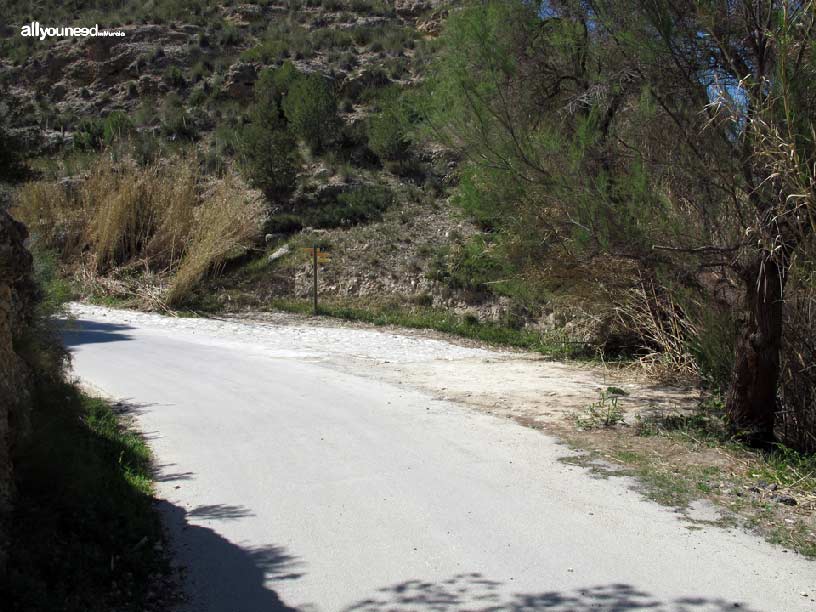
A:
751, 400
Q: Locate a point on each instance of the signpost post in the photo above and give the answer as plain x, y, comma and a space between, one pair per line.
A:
314, 277
317, 256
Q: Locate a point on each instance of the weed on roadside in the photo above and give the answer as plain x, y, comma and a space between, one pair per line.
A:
604, 413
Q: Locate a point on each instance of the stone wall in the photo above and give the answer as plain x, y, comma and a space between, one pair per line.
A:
17, 298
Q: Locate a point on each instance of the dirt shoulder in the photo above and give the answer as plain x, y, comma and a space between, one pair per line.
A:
506, 382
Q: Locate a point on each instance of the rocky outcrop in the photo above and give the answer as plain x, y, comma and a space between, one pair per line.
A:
240, 80
17, 298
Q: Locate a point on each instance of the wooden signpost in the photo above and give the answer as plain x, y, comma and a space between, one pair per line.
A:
317, 256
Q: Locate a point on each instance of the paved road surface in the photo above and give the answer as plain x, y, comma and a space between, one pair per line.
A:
290, 483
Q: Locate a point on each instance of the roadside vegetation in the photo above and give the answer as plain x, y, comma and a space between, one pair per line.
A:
698, 173
162, 219
679, 459
684, 152
86, 535
464, 326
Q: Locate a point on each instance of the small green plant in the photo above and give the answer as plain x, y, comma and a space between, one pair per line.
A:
270, 88
116, 126
604, 413
174, 77
474, 265
282, 40
176, 121
89, 135
386, 137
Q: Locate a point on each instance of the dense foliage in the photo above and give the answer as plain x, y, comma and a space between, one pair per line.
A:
310, 108
677, 138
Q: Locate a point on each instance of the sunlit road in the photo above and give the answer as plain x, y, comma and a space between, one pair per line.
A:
288, 483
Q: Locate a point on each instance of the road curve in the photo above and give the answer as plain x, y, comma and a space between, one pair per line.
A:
289, 483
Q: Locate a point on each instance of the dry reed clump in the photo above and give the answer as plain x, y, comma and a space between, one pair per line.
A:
122, 211
654, 316
56, 215
153, 217
141, 212
797, 385
226, 224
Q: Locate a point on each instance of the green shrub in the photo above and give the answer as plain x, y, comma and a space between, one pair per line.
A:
89, 135
713, 345
270, 159
311, 110
229, 36
386, 138
197, 97
361, 204
384, 37
282, 39
284, 224
175, 121
390, 129
116, 126
365, 203
200, 71
174, 77
470, 266
226, 140
267, 52
270, 88
329, 38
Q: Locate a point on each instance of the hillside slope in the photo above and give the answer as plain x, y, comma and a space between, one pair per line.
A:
183, 84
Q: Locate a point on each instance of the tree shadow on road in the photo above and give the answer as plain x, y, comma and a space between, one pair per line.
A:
163, 473
475, 593
221, 576
76, 332
224, 512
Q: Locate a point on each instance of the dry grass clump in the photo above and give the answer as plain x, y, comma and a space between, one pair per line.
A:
225, 225
141, 212
158, 218
55, 214
658, 320
797, 385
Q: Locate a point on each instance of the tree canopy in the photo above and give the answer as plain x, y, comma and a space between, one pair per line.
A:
674, 135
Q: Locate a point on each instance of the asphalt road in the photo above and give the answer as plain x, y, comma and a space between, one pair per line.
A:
289, 483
